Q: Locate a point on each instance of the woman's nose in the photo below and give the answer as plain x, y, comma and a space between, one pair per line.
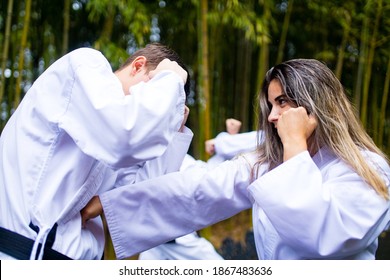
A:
273, 116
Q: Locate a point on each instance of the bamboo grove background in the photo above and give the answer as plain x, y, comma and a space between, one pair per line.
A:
227, 45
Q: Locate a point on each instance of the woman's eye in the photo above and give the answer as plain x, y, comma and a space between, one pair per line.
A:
282, 101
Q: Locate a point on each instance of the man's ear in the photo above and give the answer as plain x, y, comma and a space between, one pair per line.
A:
138, 64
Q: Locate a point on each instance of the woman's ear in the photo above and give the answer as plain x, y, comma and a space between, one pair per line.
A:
138, 64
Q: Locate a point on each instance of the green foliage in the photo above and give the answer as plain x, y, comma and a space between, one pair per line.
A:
236, 14
99, 8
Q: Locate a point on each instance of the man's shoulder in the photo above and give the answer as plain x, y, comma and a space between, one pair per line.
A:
85, 53
87, 56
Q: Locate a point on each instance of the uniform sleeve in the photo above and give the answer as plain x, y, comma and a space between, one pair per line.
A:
229, 145
168, 162
117, 129
329, 214
147, 214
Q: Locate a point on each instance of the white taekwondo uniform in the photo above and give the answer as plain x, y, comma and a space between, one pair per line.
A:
72, 137
306, 208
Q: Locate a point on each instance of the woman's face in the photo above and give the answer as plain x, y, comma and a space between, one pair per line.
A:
278, 101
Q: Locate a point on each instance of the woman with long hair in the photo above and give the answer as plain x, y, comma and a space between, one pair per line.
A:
317, 184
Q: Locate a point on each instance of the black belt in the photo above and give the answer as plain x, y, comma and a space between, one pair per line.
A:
20, 247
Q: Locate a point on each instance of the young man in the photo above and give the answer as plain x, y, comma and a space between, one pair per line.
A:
82, 129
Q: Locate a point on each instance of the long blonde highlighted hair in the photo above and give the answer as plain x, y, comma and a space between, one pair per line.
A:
312, 85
